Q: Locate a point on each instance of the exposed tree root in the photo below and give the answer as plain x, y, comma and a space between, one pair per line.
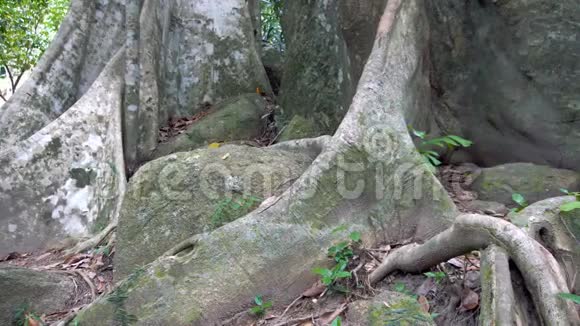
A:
469, 232
312, 146
497, 299
92, 242
186, 244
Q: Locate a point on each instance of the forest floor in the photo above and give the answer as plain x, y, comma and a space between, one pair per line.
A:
450, 292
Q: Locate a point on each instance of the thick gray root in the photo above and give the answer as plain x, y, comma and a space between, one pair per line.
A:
311, 146
497, 297
540, 270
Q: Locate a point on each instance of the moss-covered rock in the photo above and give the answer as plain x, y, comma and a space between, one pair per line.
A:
238, 118
183, 194
33, 291
388, 308
299, 128
534, 182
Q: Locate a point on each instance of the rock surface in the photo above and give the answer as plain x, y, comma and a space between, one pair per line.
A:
183, 194
534, 182
238, 118
505, 76
298, 128
42, 292
388, 308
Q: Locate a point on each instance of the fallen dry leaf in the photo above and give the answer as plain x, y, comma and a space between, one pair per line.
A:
315, 290
424, 304
469, 299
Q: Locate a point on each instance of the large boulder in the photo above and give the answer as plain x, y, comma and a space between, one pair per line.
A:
534, 182
504, 74
238, 118
388, 308
33, 291
175, 197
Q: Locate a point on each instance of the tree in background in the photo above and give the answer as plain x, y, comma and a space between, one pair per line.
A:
271, 11
26, 29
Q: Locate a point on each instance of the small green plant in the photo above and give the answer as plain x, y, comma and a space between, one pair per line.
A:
568, 207
342, 254
438, 276
337, 322
402, 288
426, 145
231, 208
520, 200
24, 316
569, 296
105, 250
261, 307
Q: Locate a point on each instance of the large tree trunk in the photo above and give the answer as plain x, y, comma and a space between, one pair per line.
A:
162, 59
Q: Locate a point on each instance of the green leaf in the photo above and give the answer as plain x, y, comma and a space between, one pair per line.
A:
267, 305
324, 272
355, 236
462, 141
259, 300
570, 206
337, 322
565, 191
420, 134
519, 199
400, 287
343, 274
569, 296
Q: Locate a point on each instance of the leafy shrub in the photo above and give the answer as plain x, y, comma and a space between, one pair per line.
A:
426, 145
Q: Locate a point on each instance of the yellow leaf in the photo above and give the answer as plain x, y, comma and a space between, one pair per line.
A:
214, 145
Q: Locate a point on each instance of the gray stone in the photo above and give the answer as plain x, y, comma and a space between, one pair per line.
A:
175, 197
40, 292
387, 308
238, 118
534, 182
504, 75
298, 128
486, 207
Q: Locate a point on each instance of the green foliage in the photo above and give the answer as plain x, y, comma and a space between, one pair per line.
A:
520, 200
261, 307
568, 207
26, 29
438, 276
271, 11
337, 322
569, 296
232, 207
402, 288
24, 314
427, 144
105, 250
342, 253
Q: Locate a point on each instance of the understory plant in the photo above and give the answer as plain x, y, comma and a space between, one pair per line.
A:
568, 207
342, 254
25, 316
261, 306
520, 200
427, 144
